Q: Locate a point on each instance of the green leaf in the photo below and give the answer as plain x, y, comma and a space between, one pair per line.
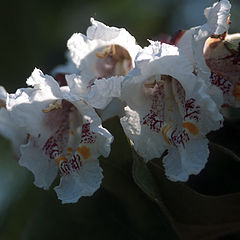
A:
144, 216
145, 181
196, 215
225, 152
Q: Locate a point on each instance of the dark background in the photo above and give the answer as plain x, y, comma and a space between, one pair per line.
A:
34, 34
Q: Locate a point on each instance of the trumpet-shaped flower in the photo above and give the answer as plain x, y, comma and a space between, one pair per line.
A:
103, 53
192, 41
222, 56
169, 108
65, 137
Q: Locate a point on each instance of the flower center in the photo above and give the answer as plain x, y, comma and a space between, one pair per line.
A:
170, 114
113, 60
70, 138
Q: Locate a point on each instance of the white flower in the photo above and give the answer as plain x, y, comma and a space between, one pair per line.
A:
222, 57
192, 41
103, 53
168, 108
8, 128
65, 137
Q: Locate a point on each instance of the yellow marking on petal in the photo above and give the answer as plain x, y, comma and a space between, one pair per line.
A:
59, 159
104, 53
165, 129
52, 106
192, 128
69, 154
84, 151
149, 84
236, 91
69, 149
113, 49
170, 109
71, 132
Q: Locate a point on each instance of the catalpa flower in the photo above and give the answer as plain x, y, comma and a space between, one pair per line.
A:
192, 41
222, 56
65, 137
8, 128
103, 53
169, 108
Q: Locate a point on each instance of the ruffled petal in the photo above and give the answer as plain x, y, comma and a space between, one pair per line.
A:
168, 108
217, 17
34, 159
180, 163
85, 182
192, 41
8, 128
90, 52
102, 91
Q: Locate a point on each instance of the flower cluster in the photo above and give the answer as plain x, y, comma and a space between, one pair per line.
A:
168, 97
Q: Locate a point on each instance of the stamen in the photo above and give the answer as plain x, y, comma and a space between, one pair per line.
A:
112, 50
61, 158
236, 91
52, 106
192, 128
2, 104
165, 130
155, 80
106, 51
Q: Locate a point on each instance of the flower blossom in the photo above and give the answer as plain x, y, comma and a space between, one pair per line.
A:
193, 40
103, 53
65, 137
169, 108
222, 56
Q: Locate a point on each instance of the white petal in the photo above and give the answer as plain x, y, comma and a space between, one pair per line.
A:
79, 86
83, 48
82, 183
27, 104
147, 143
3, 93
43, 168
180, 163
103, 90
11, 131
217, 17
114, 108
8, 128
193, 40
